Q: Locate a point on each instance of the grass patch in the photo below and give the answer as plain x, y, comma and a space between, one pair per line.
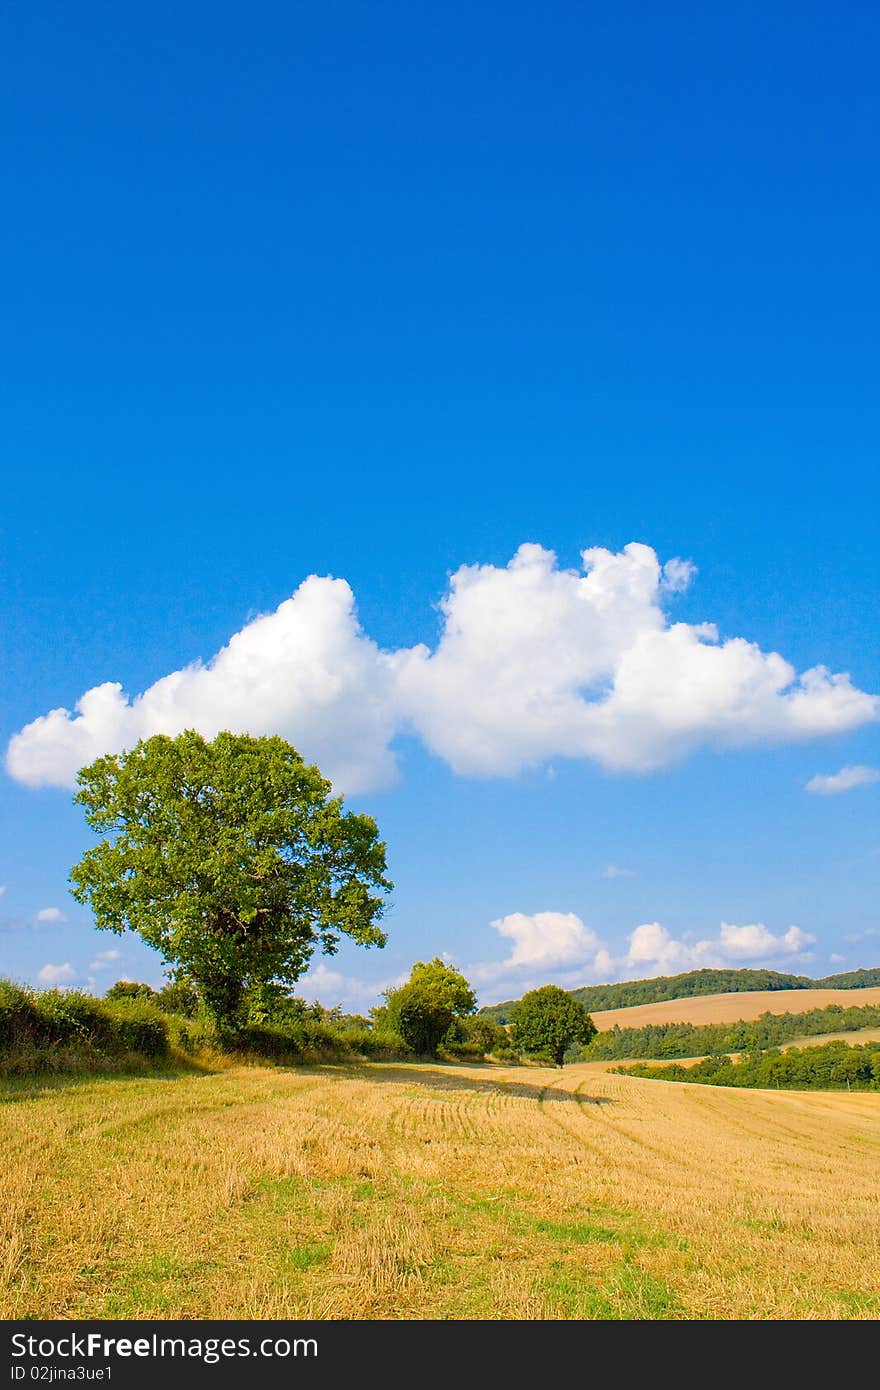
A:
625, 1293
150, 1288
575, 1233
302, 1257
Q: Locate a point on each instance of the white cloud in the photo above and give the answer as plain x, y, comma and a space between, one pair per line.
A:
2, 889
615, 871
546, 946
50, 914
550, 939
557, 948
104, 959
533, 662
843, 781
652, 951
57, 974
836, 959
305, 671
677, 575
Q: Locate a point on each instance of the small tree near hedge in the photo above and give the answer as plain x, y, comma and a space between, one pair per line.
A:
423, 1009
549, 1020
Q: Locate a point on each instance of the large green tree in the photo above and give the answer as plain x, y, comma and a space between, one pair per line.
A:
422, 1010
231, 858
549, 1020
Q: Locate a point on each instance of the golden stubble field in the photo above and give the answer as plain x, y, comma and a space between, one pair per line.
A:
402, 1191
729, 1008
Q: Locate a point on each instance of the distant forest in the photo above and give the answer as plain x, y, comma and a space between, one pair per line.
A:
696, 982
836, 1066
659, 1040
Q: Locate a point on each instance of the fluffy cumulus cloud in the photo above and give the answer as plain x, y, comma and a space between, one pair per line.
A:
843, 781
50, 914
653, 951
552, 942
559, 948
533, 662
305, 671
57, 974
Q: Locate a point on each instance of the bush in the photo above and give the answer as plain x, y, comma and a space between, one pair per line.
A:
65, 1030
71, 1018
57, 1030
19, 1017
475, 1036
130, 989
424, 1008
140, 1027
382, 1044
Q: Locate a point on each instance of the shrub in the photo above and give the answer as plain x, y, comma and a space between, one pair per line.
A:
63, 1030
423, 1009
140, 1027
19, 1017
383, 1044
71, 1018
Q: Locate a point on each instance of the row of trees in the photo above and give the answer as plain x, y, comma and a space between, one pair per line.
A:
435, 1010
438, 1005
832, 1067
695, 1040
233, 859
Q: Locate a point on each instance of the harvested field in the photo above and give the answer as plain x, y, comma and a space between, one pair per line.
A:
728, 1008
400, 1191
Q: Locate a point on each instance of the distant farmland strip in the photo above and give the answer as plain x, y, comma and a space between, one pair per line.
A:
661, 1040
730, 1008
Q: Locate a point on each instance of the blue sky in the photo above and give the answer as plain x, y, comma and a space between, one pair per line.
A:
378, 292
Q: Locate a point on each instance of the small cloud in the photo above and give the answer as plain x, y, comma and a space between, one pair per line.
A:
676, 575
615, 871
57, 974
2, 889
104, 959
843, 781
836, 959
50, 914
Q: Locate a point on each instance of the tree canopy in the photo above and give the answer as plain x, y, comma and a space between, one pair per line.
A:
423, 1010
548, 1020
231, 858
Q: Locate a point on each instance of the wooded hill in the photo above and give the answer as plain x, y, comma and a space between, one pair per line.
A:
696, 982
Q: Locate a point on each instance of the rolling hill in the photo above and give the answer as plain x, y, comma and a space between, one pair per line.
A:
699, 983
730, 1008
